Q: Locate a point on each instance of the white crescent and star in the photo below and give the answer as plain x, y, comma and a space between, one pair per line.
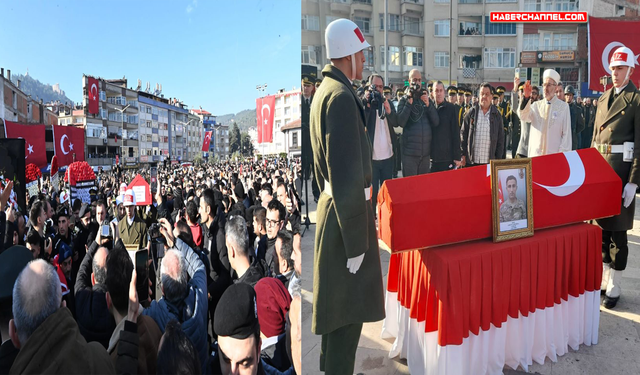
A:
29, 148
607, 50
62, 145
94, 86
574, 181
262, 112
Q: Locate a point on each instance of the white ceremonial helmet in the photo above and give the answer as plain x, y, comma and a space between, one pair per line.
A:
343, 38
623, 56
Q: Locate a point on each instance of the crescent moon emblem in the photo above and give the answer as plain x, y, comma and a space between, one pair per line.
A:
62, 144
606, 52
262, 110
575, 180
93, 86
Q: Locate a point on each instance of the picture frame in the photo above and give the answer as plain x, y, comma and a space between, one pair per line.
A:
511, 199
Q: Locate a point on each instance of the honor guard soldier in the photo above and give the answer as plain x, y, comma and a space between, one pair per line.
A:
616, 130
347, 285
453, 99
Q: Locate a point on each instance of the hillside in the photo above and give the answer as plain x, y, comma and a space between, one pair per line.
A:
245, 119
39, 90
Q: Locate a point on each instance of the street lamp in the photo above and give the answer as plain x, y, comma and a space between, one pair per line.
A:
261, 88
122, 125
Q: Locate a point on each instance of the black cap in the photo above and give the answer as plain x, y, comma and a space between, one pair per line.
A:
236, 315
12, 262
62, 211
84, 209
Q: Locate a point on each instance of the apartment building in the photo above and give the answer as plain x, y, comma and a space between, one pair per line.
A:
194, 136
219, 145
440, 38
287, 108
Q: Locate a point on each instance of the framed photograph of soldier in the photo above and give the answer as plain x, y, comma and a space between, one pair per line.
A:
511, 199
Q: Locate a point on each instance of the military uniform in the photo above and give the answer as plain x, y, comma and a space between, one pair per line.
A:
577, 123
134, 234
342, 301
513, 211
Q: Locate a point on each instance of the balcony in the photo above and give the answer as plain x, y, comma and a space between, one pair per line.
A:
97, 161
470, 41
413, 31
114, 89
469, 7
412, 7
340, 6
363, 6
469, 74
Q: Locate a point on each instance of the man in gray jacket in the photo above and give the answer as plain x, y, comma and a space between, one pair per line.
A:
417, 116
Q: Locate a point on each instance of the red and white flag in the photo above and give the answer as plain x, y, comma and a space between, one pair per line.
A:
34, 146
265, 109
207, 141
93, 94
68, 141
604, 38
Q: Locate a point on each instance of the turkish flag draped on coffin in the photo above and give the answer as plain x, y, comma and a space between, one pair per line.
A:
207, 140
34, 146
265, 108
92, 93
604, 38
68, 141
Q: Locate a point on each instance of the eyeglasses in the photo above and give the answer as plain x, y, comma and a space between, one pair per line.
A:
271, 223
549, 84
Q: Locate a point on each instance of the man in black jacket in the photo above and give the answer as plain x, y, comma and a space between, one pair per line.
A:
482, 134
417, 117
445, 145
213, 244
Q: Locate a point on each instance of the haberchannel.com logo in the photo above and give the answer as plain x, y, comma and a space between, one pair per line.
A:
539, 17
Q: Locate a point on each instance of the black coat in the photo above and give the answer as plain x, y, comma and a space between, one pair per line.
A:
213, 244
95, 322
467, 134
577, 123
445, 145
371, 118
418, 122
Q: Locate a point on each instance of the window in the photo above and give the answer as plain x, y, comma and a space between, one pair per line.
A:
363, 23
148, 124
394, 58
502, 1
442, 59
499, 28
394, 22
413, 25
538, 5
310, 23
148, 109
546, 38
442, 27
441, 1
563, 41
309, 55
294, 141
287, 111
287, 100
499, 58
470, 28
470, 61
412, 56
331, 19
619, 10
530, 42
565, 5
103, 96
104, 114
368, 59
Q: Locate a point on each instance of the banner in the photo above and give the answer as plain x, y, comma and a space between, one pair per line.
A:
93, 93
207, 140
67, 143
604, 38
12, 167
33, 135
265, 110
82, 190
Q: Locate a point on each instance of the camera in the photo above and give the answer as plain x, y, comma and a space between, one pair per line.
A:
154, 234
375, 98
415, 91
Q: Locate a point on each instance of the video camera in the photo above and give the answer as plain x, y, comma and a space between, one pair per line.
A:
415, 91
375, 98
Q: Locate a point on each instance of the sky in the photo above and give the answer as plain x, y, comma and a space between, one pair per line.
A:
204, 52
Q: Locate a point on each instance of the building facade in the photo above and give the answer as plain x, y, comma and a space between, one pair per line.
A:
292, 138
287, 109
219, 145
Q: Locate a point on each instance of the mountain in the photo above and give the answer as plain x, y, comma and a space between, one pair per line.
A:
245, 119
39, 90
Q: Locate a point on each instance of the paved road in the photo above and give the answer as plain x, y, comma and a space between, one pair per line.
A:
617, 352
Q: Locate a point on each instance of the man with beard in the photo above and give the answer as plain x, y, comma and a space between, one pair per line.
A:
132, 229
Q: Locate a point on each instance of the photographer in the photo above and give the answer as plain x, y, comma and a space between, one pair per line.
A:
417, 115
380, 118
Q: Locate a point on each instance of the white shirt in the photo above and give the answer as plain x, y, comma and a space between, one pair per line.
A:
482, 138
550, 130
382, 147
619, 90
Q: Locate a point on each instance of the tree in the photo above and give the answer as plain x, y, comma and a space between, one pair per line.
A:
247, 145
234, 139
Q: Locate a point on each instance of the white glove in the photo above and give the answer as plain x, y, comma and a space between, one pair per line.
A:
353, 264
628, 193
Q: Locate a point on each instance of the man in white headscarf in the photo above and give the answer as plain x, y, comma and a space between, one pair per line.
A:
550, 118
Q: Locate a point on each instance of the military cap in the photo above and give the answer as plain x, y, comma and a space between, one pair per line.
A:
500, 89
430, 85
461, 90
84, 209
236, 314
62, 211
306, 80
452, 90
386, 90
467, 92
496, 96
400, 92
12, 262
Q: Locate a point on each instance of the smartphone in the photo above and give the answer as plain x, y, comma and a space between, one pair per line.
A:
105, 231
142, 271
154, 179
517, 73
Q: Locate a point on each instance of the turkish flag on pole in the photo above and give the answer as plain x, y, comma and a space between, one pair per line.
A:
604, 38
68, 141
265, 108
93, 92
34, 146
207, 141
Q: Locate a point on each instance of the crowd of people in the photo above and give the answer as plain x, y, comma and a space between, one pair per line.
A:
205, 279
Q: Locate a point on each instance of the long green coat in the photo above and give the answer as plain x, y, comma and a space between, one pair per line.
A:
345, 221
615, 125
136, 234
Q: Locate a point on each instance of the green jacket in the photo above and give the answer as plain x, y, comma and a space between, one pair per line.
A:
345, 220
615, 124
136, 234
